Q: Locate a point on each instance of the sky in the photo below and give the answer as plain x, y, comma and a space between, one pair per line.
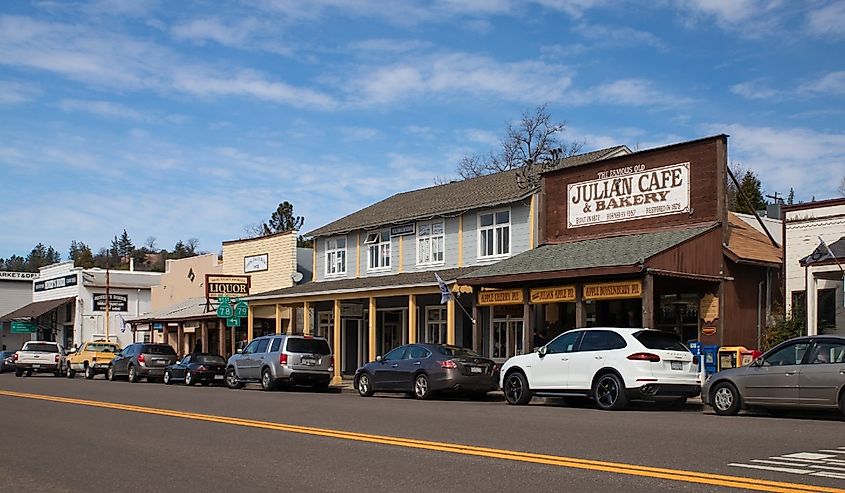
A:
196, 119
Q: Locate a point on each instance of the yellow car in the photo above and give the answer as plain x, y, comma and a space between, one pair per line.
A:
92, 358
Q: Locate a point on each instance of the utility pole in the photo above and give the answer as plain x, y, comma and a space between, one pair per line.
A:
108, 296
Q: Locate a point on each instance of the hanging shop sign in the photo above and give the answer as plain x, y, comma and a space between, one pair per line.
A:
629, 193
256, 263
557, 294
403, 230
19, 327
613, 290
116, 302
708, 331
59, 282
220, 285
709, 308
500, 297
352, 310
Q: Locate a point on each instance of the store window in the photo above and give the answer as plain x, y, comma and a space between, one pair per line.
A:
431, 242
378, 251
826, 315
336, 256
325, 325
494, 234
799, 305
508, 331
435, 325
678, 313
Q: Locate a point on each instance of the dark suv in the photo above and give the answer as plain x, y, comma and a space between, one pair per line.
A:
141, 360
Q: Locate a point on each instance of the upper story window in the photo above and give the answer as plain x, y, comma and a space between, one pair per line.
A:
378, 250
494, 234
336, 256
431, 242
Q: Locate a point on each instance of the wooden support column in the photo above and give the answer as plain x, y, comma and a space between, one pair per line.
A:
648, 301
527, 323
580, 306
279, 319
371, 332
306, 319
232, 339
336, 349
250, 323
412, 318
476, 326
450, 321
204, 335
221, 326
180, 343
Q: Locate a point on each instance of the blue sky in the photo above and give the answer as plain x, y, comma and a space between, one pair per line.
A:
180, 119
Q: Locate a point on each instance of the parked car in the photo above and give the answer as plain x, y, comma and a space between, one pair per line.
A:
609, 365
7, 361
203, 368
422, 369
141, 360
805, 372
91, 358
39, 357
282, 359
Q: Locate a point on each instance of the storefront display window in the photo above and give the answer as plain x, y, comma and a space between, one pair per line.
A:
325, 325
826, 315
614, 313
678, 313
435, 325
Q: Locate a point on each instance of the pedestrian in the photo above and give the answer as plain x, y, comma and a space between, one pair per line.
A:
539, 340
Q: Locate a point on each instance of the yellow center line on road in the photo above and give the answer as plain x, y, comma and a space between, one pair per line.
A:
552, 460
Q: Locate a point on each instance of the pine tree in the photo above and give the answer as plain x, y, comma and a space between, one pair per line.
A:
124, 245
81, 255
283, 220
790, 199
750, 194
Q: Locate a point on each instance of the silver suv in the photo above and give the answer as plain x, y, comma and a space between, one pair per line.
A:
286, 359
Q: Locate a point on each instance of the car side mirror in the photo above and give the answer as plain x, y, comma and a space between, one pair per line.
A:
542, 351
240, 351
378, 358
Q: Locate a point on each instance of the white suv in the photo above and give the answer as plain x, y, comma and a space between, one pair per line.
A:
611, 365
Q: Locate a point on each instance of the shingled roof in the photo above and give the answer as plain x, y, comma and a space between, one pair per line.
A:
450, 198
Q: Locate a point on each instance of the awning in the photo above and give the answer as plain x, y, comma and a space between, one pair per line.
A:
190, 309
36, 309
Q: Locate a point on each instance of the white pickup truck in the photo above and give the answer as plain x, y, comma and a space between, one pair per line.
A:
39, 357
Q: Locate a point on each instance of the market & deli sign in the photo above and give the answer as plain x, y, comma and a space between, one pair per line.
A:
628, 194
229, 286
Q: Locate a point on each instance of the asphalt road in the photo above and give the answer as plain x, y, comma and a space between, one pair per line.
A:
111, 436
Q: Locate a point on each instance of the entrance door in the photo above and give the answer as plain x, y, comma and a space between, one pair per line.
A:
391, 331
507, 338
351, 332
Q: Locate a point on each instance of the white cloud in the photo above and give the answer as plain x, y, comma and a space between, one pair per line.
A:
828, 21
16, 92
629, 92
359, 133
478, 136
102, 108
209, 29
604, 36
754, 90
750, 18
832, 83
388, 46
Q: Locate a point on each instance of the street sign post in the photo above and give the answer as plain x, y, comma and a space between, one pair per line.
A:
19, 327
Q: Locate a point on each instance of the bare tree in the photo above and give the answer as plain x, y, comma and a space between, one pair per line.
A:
150, 243
533, 138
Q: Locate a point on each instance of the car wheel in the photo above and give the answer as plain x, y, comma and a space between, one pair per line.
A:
133, 374
89, 373
365, 385
18, 373
167, 377
110, 374
28, 373
422, 387
69, 372
189, 379
232, 379
268, 383
609, 392
725, 399
516, 389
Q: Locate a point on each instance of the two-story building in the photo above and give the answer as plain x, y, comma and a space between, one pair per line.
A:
374, 270
15, 293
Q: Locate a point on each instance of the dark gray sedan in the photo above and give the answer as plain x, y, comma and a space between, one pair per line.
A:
805, 372
422, 369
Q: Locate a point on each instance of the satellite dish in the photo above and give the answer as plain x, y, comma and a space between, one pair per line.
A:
296, 277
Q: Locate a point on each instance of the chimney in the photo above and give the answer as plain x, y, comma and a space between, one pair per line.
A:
131, 264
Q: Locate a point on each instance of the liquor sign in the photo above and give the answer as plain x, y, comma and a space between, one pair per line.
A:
221, 285
116, 302
557, 294
403, 230
23, 327
59, 282
628, 194
500, 297
613, 290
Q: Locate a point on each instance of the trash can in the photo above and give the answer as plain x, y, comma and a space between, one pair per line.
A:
709, 353
731, 356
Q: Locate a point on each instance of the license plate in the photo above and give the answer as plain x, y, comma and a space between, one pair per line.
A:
677, 365
160, 362
308, 361
476, 369
36, 366
218, 377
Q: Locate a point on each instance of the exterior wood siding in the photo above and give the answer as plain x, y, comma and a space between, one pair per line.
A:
700, 255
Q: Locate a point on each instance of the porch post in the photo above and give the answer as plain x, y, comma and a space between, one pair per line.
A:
450, 321
306, 318
204, 335
336, 349
371, 332
221, 326
180, 343
648, 301
412, 318
476, 327
580, 306
527, 323
279, 319
250, 323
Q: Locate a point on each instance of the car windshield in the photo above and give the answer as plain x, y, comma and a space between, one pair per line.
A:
165, 350
653, 339
457, 352
315, 346
102, 348
41, 347
209, 359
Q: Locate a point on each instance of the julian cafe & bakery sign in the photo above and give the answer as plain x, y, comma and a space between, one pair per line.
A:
629, 193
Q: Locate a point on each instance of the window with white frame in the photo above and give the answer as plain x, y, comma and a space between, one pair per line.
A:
431, 242
378, 250
435, 325
336, 256
494, 234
